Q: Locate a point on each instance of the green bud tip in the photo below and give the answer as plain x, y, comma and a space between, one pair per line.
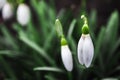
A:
85, 29
58, 26
57, 20
63, 41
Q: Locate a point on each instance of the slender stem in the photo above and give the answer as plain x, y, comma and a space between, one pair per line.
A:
84, 19
69, 76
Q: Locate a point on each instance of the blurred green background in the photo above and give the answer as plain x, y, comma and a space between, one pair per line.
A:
32, 52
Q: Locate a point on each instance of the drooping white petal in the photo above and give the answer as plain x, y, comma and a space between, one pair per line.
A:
67, 57
80, 50
88, 51
2, 3
23, 14
7, 11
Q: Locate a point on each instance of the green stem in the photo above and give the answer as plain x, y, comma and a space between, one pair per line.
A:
69, 76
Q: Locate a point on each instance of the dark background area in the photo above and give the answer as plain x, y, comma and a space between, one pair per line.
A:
103, 7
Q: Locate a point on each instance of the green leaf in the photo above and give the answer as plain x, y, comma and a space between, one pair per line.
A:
71, 28
8, 36
10, 53
35, 47
8, 68
53, 69
32, 32
50, 77
48, 39
112, 28
40, 8
110, 79
73, 45
93, 20
112, 51
98, 45
99, 42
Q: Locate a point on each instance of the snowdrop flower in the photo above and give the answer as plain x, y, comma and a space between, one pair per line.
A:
23, 14
7, 11
2, 3
66, 55
85, 47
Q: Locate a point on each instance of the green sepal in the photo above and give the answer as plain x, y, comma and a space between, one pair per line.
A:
63, 41
85, 29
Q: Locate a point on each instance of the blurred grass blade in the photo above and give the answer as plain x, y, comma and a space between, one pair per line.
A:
9, 53
110, 79
35, 47
116, 45
93, 20
113, 61
99, 42
32, 32
98, 45
10, 39
61, 14
71, 28
53, 69
8, 69
112, 51
48, 40
112, 28
73, 45
50, 77
93, 23
51, 14
40, 7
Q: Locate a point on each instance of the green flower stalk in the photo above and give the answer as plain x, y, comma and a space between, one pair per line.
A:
85, 45
59, 29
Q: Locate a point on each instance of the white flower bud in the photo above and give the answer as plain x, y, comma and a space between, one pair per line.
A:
23, 14
85, 50
7, 11
67, 57
2, 3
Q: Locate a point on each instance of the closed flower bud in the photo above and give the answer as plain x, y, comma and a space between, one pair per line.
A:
2, 3
23, 14
66, 55
85, 50
7, 11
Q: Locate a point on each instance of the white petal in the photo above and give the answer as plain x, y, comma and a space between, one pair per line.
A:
67, 57
88, 51
23, 14
2, 3
80, 50
7, 11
